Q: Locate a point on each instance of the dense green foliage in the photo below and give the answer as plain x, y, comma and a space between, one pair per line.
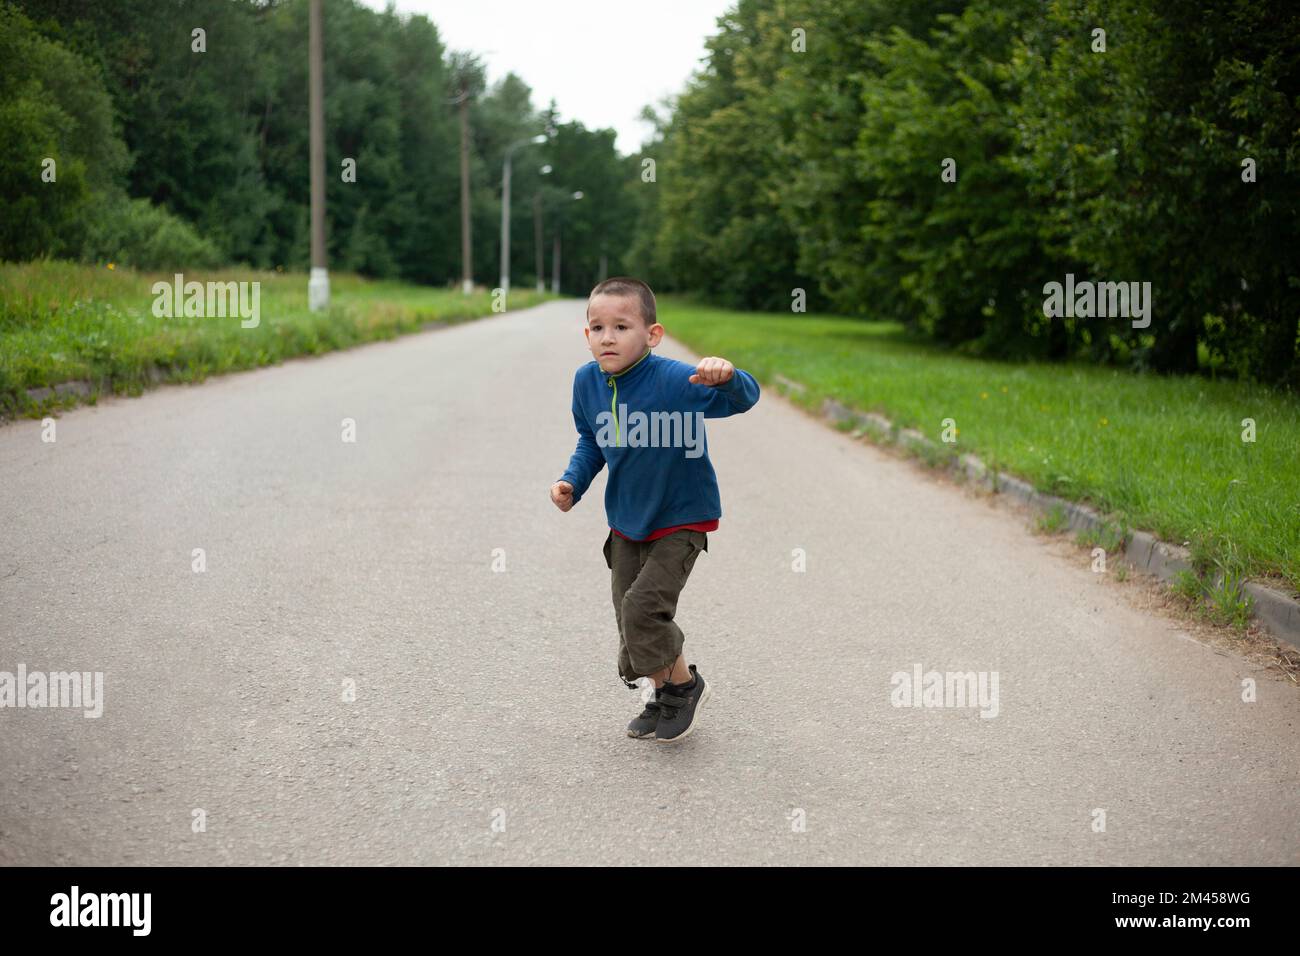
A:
807, 154
821, 170
217, 143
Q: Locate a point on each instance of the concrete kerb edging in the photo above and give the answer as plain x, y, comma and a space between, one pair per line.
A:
79, 388
1280, 612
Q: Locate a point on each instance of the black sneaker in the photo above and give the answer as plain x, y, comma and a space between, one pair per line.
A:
644, 723
679, 708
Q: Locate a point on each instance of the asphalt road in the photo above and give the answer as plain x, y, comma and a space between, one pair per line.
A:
488, 719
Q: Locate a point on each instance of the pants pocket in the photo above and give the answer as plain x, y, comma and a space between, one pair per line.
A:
609, 544
697, 541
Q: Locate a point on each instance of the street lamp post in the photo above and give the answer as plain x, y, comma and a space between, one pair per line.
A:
505, 209
537, 232
555, 252
466, 243
318, 284
537, 239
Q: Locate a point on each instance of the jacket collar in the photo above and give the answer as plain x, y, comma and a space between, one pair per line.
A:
632, 371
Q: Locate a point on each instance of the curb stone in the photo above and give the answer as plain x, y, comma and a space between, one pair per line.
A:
78, 387
1278, 611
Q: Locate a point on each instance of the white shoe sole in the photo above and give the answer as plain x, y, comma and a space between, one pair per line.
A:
708, 690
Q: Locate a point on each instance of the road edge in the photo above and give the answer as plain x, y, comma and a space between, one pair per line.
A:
1278, 612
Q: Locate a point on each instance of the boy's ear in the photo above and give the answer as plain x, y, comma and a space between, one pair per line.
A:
656, 333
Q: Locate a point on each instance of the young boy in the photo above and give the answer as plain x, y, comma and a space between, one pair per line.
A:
643, 416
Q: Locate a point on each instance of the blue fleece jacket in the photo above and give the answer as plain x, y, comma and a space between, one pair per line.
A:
646, 423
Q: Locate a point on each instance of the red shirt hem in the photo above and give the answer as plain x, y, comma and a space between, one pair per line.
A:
697, 526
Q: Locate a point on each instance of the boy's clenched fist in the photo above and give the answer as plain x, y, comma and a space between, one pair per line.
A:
713, 371
562, 495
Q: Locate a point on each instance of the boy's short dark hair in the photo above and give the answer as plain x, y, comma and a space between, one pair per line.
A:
626, 285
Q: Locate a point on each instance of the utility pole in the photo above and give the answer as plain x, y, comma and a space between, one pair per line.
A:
537, 231
466, 75
555, 260
505, 208
466, 248
537, 239
555, 251
318, 285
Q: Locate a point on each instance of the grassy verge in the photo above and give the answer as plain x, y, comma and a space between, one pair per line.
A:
1163, 454
63, 322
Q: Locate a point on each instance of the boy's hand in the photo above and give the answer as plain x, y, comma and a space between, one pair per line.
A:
713, 371
562, 495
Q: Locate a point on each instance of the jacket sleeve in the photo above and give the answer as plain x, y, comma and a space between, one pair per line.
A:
738, 394
587, 459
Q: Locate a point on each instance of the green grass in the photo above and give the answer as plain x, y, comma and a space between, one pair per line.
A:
1053, 520
1223, 602
62, 321
1164, 452
1110, 537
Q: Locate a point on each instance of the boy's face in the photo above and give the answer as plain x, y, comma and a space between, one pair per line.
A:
616, 332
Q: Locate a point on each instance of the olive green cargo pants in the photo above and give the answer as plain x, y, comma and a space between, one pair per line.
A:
647, 577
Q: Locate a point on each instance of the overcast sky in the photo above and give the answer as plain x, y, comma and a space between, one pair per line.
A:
601, 60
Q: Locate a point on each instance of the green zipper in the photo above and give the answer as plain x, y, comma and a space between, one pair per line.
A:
613, 402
